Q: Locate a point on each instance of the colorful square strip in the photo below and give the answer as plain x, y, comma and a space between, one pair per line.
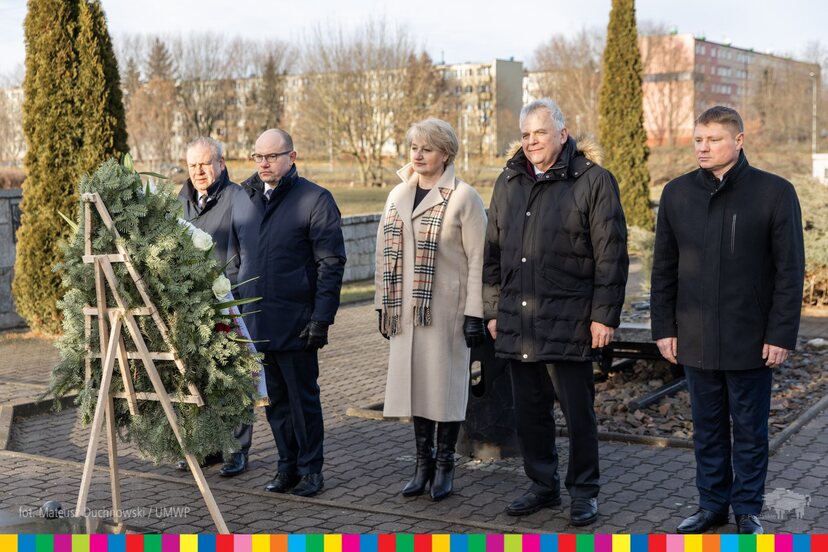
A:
413, 543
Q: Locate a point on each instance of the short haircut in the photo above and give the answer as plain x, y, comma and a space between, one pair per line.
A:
437, 134
544, 103
215, 147
725, 116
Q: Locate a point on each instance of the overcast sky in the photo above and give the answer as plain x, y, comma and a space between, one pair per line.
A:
452, 30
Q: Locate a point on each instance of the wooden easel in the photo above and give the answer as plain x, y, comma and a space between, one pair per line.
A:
112, 348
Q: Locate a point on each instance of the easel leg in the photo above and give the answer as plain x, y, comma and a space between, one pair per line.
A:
169, 411
206, 493
112, 448
97, 421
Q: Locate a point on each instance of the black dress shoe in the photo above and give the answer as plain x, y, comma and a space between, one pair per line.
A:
583, 511
209, 460
532, 502
309, 485
283, 482
748, 524
236, 465
701, 521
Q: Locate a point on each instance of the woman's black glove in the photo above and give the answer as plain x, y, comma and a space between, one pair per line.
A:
379, 324
474, 330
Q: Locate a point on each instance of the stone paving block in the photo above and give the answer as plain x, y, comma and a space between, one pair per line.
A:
367, 462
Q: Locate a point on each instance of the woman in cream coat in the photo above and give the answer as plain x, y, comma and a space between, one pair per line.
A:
429, 298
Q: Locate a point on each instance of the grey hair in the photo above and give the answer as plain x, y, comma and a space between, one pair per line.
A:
438, 134
544, 103
215, 147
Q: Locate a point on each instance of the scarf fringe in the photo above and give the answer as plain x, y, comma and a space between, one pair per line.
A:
422, 316
390, 323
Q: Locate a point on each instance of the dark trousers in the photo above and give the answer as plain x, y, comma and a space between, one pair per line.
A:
244, 433
730, 474
535, 385
295, 411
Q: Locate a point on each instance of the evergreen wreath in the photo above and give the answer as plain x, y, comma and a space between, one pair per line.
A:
177, 265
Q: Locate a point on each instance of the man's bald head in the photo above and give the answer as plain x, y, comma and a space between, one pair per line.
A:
274, 154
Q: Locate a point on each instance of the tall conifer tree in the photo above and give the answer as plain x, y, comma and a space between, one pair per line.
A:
621, 124
73, 120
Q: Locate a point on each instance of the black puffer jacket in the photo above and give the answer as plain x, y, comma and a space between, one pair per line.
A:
556, 257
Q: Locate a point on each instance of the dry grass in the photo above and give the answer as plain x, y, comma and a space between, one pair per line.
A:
11, 178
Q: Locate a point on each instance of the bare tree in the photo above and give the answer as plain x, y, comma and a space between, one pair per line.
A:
355, 83
568, 69
264, 103
780, 99
12, 142
422, 94
668, 83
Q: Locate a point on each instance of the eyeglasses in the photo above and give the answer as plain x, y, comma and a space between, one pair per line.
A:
258, 158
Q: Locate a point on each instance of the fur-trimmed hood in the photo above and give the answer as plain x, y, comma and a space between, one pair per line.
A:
588, 147
576, 159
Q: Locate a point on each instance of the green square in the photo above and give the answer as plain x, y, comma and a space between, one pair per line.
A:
585, 543
44, 543
152, 543
405, 543
747, 543
315, 543
477, 543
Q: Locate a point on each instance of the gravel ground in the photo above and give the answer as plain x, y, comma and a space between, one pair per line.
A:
798, 384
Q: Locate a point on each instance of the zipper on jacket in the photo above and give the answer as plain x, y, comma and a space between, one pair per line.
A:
733, 236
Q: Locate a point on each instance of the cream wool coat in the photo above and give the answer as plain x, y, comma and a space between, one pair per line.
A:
428, 366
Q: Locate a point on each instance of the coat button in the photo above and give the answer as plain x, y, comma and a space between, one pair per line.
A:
528, 213
525, 355
523, 260
575, 173
523, 303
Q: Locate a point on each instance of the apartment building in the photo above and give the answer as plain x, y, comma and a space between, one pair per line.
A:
685, 74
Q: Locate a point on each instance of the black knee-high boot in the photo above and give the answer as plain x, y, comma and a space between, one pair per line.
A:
444, 472
424, 470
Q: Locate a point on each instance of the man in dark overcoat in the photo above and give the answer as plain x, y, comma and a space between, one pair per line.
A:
554, 273
220, 207
300, 263
727, 282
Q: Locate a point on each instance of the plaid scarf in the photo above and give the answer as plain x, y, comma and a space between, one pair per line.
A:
392, 275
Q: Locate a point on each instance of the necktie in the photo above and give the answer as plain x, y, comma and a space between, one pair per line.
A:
268, 193
202, 201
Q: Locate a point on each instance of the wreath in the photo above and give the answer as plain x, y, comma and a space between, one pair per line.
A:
183, 280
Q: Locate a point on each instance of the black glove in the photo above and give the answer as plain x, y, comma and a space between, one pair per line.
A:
474, 330
379, 324
316, 333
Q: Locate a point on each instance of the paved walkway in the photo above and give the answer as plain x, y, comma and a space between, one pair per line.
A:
644, 489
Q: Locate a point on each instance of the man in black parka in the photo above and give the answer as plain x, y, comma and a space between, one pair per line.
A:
554, 274
220, 207
300, 263
727, 282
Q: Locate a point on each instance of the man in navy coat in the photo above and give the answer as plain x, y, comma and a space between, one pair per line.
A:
727, 280
300, 263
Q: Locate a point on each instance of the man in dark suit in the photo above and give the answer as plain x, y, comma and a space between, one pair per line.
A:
727, 281
300, 263
220, 207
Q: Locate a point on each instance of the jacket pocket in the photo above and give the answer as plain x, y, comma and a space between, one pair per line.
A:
730, 230
559, 280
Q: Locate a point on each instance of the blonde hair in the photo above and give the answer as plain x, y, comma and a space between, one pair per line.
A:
438, 134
